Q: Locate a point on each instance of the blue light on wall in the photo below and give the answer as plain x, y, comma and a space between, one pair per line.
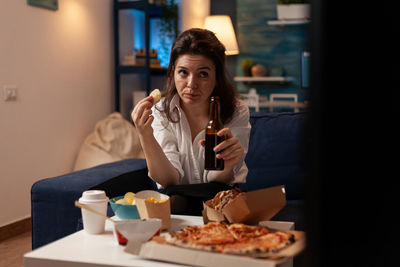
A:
155, 42
138, 29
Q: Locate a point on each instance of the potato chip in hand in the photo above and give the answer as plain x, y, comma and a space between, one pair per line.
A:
156, 94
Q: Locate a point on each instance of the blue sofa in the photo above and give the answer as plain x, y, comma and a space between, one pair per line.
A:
274, 158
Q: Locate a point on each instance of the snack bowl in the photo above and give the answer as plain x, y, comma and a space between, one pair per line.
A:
124, 211
138, 231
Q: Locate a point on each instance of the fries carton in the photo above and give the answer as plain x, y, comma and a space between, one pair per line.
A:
152, 204
249, 207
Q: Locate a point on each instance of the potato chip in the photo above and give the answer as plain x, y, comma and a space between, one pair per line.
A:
121, 201
130, 198
156, 94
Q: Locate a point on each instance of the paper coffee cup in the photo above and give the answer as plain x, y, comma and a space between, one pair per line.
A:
97, 200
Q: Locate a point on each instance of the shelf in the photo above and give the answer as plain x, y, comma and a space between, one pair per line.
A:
154, 10
140, 69
282, 104
150, 11
263, 79
288, 22
264, 103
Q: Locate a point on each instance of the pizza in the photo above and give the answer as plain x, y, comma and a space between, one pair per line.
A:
236, 238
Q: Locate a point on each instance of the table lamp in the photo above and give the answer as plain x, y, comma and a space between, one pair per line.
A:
222, 26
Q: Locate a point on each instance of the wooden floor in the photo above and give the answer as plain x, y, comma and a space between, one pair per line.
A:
12, 250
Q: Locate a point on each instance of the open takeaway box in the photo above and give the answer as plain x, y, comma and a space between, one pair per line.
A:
248, 207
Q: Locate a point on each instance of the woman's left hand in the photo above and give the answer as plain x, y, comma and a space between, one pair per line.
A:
230, 150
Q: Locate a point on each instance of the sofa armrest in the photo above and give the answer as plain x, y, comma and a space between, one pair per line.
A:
53, 212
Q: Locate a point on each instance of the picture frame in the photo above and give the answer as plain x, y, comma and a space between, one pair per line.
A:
48, 4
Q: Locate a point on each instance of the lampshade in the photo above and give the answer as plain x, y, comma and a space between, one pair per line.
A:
222, 26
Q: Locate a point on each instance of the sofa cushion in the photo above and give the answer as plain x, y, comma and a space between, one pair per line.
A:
113, 139
275, 152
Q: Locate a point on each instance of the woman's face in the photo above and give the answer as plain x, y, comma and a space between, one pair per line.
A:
195, 79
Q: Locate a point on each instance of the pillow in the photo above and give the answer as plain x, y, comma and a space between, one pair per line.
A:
113, 139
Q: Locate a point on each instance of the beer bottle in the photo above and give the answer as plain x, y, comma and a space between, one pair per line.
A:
213, 126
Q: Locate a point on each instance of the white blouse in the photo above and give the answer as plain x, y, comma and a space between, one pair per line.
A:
187, 157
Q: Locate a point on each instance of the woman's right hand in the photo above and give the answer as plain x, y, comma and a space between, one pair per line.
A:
141, 116
160, 168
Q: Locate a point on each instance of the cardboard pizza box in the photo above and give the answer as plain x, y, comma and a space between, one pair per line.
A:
249, 207
165, 252
191, 257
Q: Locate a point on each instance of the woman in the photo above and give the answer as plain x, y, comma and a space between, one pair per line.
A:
172, 132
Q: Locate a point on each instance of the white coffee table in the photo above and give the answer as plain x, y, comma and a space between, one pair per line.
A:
83, 250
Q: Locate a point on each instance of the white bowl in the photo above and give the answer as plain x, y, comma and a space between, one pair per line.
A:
139, 231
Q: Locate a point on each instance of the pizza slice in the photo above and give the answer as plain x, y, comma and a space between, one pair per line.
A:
240, 230
273, 242
207, 237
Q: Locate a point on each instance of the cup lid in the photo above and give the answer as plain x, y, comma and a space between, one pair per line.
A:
94, 196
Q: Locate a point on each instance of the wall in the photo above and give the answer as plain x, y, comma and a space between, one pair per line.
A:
61, 61
193, 13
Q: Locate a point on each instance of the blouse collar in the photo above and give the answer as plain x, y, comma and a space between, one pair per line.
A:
175, 103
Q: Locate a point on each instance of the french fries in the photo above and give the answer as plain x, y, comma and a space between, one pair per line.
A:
154, 200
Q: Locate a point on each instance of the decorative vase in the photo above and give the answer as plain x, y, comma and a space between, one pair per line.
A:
259, 70
293, 11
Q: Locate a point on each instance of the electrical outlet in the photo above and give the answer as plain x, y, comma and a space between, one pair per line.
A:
10, 93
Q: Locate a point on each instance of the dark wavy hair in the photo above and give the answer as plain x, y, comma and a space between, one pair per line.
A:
203, 42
